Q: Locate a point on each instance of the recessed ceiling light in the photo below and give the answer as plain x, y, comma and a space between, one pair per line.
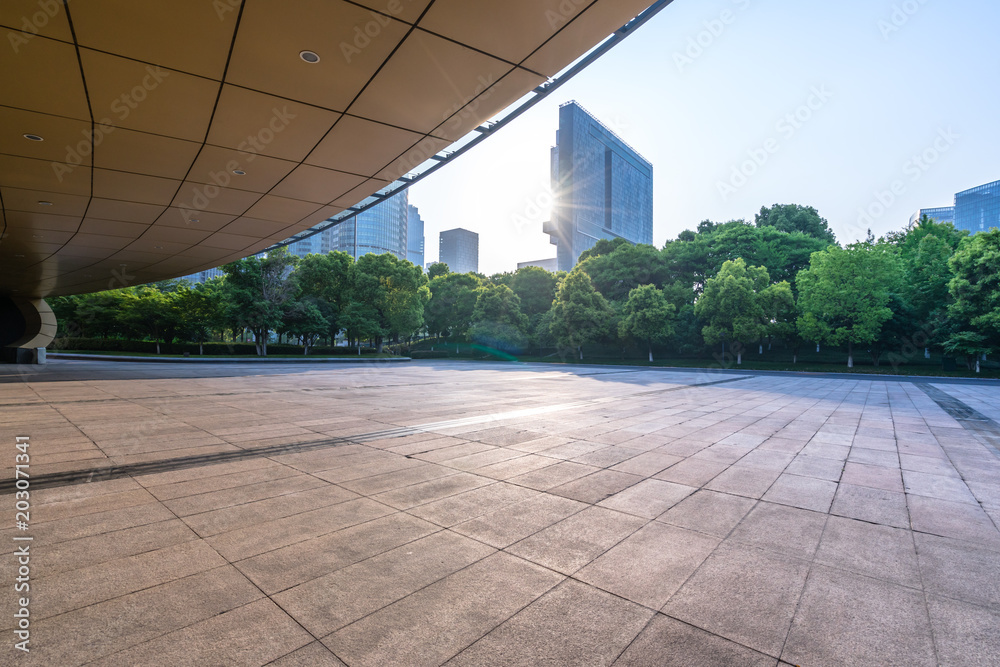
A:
157, 247
32, 137
194, 220
309, 56
45, 203
239, 172
18, 255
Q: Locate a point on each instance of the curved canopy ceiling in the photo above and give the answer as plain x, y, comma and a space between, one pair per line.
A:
147, 140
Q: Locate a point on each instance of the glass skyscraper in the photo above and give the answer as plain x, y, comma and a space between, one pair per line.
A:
603, 188
459, 249
414, 236
978, 209
939, 214
382, 228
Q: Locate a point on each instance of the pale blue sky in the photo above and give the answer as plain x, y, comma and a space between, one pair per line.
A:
883, 90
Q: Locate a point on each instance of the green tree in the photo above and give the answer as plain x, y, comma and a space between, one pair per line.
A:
200, 310
329, 280
580, 314
497, 320
437, 269
536, 288
453, 299
844, 295
647, 316
733, 306
396, 292
628, 266
257, 290
975, 290
150, 312
304, 320
795, 218
602, 247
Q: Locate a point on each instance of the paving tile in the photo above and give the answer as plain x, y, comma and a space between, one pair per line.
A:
954, 569
471, 504
553, 475
269, 535
570, 544
397, 479
514, 467
437, 622
254, 634
872, 505
876, 477
310, 655
937, 486
692, 472
289, 566
71, 638
591, 628
964, 633
597, 486
709, 512
667, 642
848, 619
647, 464
816, 466
651, 564
876, 551
330, 602
805, 492
240, 495
515, 522
741, 480
958, 520
745, 595
649, 498
874, 457
435, 489
786, 530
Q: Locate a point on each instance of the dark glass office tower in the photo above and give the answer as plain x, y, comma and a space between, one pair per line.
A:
603, 188
978, 209
459, 249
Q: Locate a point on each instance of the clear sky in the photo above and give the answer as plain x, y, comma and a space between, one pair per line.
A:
905, 95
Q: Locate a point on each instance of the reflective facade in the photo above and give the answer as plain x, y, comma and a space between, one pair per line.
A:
603, 188
380, 229
978, 209
939, 214
459, 249
414, 236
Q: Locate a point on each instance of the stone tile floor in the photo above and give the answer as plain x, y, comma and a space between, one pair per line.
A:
485, 514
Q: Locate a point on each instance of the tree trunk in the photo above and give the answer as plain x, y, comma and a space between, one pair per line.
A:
579, 349
850, 354
650, 348
739, 358
795, 358
760, 349
157, 347
201, 348
977, 365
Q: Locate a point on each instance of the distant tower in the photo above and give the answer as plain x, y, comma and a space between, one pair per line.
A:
603, 188
414, 236
382, 228
459, 249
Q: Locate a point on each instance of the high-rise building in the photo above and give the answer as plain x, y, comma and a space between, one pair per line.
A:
976, 209
939, 214
459, 249
603, 188
414, 236
551, 264
382, 228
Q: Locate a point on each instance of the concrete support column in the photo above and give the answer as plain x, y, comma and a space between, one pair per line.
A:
27, 327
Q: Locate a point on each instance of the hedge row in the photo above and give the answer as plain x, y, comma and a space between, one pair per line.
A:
149, 347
